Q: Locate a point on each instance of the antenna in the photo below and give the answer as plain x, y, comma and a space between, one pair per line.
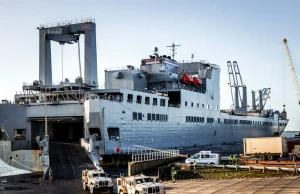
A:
173, 49
192, 57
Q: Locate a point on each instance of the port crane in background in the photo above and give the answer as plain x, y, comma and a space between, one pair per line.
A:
236, 82
261, 100
292, 69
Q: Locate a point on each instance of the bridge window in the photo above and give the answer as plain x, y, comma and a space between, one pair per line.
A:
192, 104
149, 116
134, 116
153, 117
113, 134
19, 134
202, 105
157, 117
140, 116
197, 105
185, 103
139, 99
154, 101
129, 98
162, 102
166, 118
147, 100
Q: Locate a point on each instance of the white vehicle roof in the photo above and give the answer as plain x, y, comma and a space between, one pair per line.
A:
206, 152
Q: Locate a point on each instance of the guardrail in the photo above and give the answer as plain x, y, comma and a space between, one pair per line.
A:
67, 22
242, 167
154, 155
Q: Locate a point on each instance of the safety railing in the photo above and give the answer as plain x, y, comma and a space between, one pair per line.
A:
67, 22
155, 155
243, 167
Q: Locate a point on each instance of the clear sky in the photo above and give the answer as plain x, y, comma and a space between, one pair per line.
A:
249, 32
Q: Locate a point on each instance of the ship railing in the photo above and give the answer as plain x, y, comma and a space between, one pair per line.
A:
67, 22
244, 167
155, 155
66, 81
120, 68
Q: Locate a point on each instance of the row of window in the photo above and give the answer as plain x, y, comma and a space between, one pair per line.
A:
282, 124
190, 119
157, 117
245, 122
150, 117
194, 119
231, 121
207, 106
147, 100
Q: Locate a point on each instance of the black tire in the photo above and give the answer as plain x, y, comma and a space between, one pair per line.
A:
270, 157
111, 190
137, 192
121, 192
212, 163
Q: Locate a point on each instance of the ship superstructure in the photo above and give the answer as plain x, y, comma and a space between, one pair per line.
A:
161, 104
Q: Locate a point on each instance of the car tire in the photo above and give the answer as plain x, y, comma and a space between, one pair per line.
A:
84, 186
111, 190
137, 192
121, 192
212, 163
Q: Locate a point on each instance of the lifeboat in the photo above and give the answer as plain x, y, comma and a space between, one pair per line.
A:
197, 81
187, 78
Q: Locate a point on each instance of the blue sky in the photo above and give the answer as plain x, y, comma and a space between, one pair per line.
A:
249, 32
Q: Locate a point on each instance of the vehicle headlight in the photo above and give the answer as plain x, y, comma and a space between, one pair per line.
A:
145, 189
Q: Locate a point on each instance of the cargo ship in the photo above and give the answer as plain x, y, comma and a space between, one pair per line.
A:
161, 104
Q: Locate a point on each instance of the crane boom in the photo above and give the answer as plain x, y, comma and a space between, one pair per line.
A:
292, 69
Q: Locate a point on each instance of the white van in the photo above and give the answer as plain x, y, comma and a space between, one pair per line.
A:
204, 157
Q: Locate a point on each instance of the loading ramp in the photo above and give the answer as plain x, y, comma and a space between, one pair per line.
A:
67, 160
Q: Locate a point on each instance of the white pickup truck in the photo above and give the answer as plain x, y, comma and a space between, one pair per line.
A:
139, 184
204, 157
96, 179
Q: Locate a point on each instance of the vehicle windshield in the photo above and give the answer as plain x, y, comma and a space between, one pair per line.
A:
147, 180
139, 181
144, 180
99, 175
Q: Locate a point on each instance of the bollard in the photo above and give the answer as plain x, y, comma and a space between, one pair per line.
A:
278, 170
263, 169
249, 168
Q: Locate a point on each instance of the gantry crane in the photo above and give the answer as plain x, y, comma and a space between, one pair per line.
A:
292, 69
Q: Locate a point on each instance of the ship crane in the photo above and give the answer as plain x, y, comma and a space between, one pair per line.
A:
236, 82
292, 69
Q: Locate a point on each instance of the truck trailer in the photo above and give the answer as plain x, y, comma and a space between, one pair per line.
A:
266, 148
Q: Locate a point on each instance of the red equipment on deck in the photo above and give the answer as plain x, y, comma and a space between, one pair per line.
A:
197, 81
187, 78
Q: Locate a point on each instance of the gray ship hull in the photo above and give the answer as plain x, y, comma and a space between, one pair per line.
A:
183, 136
